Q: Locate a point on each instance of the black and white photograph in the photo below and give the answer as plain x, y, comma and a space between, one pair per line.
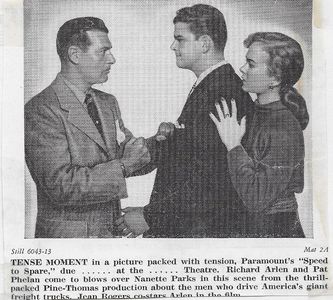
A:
165, 149
230, 157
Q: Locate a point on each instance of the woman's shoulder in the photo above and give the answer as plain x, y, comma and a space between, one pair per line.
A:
282, 141
281, 130
286, 134
283, 121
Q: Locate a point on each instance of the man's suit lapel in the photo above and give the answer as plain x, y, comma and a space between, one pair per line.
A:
77, 115
193, 104
108, 119
199, 101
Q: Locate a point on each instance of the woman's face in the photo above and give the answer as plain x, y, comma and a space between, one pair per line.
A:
255, 73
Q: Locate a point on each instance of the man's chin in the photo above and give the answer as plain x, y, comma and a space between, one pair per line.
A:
104, 79
180, 65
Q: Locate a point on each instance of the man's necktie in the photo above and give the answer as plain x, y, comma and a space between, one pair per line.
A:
93, 112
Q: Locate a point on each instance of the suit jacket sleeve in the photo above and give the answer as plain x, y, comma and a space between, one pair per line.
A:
48, 158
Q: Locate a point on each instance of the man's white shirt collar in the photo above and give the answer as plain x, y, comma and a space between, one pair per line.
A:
207, 71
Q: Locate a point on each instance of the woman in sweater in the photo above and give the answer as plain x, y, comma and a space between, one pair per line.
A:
267, 169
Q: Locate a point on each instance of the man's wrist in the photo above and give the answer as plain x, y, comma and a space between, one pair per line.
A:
123, 169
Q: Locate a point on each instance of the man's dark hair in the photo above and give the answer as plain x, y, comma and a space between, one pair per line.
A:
74, 33
204, 19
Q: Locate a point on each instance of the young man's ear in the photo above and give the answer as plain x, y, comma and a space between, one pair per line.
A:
207, 43
74, 54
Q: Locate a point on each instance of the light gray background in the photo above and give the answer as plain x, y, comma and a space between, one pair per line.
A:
148, 85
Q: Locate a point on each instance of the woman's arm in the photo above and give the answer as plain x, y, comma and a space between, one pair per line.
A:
260, 180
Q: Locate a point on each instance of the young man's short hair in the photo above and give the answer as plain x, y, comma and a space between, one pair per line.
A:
204, 19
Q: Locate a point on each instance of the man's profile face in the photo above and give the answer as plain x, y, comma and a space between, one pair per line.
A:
95, 62
186, 47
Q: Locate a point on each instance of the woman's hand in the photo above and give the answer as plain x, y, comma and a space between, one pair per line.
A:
230, 131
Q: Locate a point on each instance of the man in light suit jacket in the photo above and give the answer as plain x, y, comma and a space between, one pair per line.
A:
193, 195
77, 148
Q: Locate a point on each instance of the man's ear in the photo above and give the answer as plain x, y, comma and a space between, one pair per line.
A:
207, 43
74, 54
